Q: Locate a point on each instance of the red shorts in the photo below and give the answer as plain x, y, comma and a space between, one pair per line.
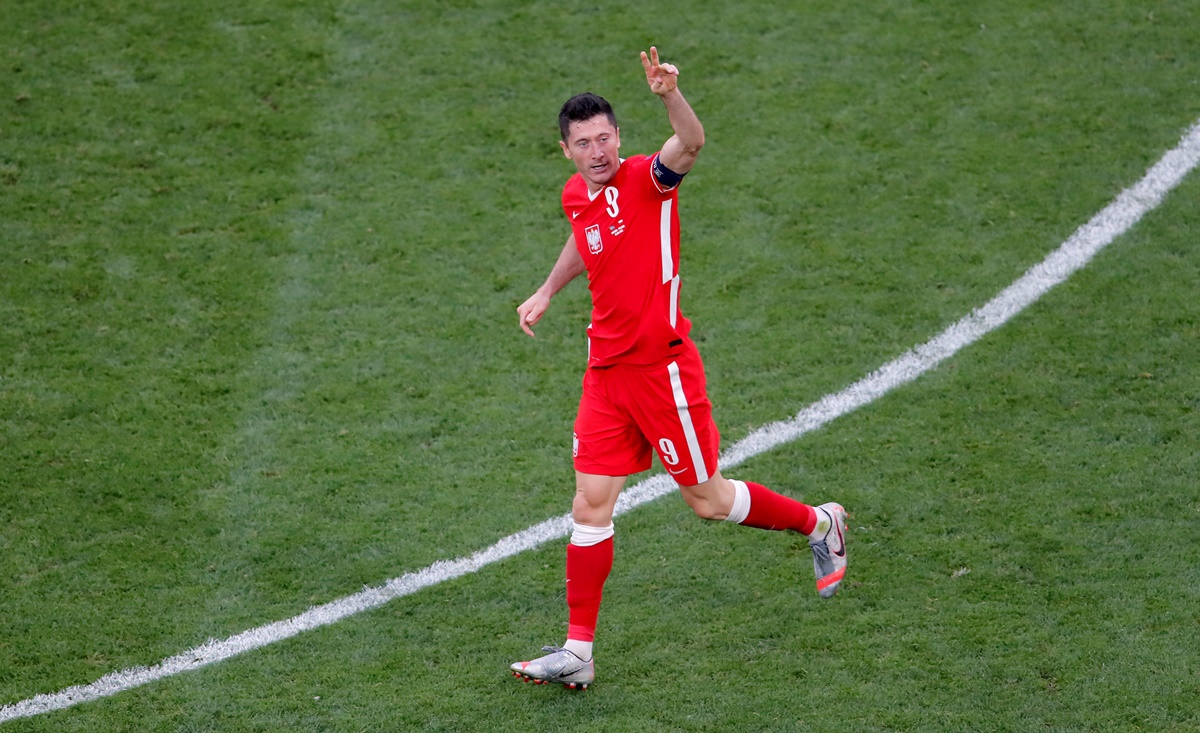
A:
627, 411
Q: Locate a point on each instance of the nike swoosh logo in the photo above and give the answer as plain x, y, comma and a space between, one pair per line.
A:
676, 473
574, 214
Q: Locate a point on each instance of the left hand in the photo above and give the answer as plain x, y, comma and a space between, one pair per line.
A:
662, 78
531, 311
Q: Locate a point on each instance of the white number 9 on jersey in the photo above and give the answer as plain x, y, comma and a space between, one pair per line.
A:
667, 452
610, 195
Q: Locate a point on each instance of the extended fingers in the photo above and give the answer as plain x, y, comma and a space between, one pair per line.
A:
651, 62
660, 75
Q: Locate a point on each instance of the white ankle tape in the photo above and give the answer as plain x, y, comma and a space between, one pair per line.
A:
584, 536
741, 503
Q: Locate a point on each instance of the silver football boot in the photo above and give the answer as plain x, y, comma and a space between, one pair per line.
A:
558, 667
829, 552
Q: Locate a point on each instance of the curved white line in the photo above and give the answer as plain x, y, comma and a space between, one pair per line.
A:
1113, 221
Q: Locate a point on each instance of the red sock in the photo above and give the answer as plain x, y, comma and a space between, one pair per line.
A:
769, 510
587, 569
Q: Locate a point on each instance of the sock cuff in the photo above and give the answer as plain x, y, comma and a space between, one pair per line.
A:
818, 533
584, 536
741, 503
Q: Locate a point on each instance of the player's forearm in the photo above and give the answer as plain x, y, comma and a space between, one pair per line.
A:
684, 122
680, 151
568, 267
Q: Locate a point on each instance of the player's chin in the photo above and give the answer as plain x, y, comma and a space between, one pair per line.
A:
600, 176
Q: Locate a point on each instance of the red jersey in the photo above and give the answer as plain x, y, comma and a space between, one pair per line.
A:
628, 236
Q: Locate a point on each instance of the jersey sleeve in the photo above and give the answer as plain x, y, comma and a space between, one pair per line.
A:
664, 178
645, 180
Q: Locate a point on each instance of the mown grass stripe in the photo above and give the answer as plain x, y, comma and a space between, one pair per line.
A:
1104, 228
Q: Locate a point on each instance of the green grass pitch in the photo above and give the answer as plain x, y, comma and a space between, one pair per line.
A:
259, 264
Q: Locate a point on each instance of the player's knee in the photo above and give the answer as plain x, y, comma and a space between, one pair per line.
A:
586, 510
581, 510
705, 507
711, 500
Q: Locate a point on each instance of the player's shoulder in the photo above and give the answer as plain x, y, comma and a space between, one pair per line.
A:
638, 162
638, 172
636, 169
574, 187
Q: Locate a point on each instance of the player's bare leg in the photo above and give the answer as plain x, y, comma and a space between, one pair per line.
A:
712, 499
595, 498
589, 561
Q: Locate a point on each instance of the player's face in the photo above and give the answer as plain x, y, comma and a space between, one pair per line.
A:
593, 145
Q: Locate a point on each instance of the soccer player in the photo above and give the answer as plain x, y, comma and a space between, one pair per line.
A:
644, 387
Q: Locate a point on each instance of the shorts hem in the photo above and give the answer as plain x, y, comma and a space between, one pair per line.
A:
599, 470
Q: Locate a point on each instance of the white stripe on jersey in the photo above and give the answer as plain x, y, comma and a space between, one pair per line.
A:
674, 300
689, 431
664, 234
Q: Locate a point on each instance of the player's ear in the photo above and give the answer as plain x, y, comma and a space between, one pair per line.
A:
565, 149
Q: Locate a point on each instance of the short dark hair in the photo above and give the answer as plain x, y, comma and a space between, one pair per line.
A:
583, 107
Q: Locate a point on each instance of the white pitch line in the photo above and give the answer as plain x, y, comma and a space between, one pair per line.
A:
1113, 221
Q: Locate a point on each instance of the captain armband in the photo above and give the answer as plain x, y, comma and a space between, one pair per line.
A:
666, 177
